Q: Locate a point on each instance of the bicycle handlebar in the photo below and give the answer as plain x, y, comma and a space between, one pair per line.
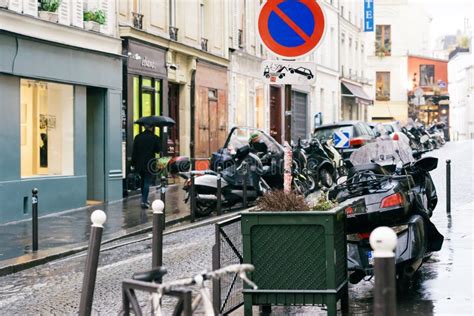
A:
240, 269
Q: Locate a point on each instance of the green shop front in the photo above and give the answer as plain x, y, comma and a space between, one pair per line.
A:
145, 87
60, 130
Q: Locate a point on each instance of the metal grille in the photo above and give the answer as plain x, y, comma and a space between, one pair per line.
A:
229, 243
278, 249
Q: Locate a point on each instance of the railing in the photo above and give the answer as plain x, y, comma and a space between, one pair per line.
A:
137, 20
174, 33
204, 43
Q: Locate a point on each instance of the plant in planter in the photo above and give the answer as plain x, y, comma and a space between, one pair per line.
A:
49, 10
382, 49
93, 19
323, 203
299, 253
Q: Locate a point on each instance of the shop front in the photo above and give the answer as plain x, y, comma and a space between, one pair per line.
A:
354, 102
60, 132
145, 87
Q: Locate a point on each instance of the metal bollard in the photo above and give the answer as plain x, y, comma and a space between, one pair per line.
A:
244, 187
383, 241
98, 218
219, 191
448, 187
34, 220
192, 199
163, 188
157, 241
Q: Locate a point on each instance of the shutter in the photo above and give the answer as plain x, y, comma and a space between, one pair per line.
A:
15, 5
30, 7
64, 13
299, 110
77, 14
104, 5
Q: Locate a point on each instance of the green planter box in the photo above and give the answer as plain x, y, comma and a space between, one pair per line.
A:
299, 258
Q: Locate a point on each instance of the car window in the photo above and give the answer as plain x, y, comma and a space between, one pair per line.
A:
367, 129
325, 133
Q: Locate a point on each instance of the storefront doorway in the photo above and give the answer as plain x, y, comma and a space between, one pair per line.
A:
95, 145
173, 133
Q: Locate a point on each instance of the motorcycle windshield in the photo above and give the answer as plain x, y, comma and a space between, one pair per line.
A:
383, 152
240, 136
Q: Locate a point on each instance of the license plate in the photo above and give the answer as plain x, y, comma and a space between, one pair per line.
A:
370, 257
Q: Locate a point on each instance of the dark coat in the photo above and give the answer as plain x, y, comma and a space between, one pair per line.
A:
145, 146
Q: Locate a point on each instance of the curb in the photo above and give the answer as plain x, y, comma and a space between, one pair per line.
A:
17, 265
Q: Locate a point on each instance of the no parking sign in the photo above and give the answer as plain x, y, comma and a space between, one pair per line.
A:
291, 28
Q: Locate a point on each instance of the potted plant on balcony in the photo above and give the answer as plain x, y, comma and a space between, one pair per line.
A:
49, 10
93, 19
298, 250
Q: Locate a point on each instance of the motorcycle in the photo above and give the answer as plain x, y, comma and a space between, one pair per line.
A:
336, 158
320, 164
386, 186
245, 167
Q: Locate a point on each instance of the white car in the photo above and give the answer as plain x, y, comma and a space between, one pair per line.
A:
395, 131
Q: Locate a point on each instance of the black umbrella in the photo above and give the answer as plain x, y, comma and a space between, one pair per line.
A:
154, 120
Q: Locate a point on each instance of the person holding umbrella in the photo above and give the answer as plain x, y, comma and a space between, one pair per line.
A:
145, 146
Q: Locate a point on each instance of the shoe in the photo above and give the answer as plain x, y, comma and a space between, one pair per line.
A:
145, 205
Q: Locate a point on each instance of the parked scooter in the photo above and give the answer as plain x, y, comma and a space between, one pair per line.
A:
319, 164
336, 158
387, 187
246, 167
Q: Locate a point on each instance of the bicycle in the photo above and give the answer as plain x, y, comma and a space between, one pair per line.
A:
186, 305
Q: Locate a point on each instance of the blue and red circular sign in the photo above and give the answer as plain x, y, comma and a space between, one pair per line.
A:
291, 28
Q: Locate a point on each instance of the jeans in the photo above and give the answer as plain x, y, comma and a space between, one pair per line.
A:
145, 186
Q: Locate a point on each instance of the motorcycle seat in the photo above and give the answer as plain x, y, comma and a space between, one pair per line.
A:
375, 168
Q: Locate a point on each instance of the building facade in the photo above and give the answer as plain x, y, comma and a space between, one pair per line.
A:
61, 87
388, 48
354, 85
189, 40
461, 93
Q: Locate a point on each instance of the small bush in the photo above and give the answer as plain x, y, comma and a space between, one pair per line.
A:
323, 203
95, 16
50, 5
279, 201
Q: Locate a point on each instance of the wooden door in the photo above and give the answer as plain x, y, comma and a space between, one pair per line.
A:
201, 116
221, 118
275, 113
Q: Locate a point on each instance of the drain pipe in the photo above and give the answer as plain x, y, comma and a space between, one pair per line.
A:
193, 107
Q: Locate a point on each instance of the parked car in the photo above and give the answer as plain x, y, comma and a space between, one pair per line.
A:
395, 131
360, 133
380, 131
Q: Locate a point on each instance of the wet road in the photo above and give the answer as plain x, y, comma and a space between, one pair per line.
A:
444, 284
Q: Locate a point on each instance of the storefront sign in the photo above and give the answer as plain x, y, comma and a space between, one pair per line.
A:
146, 60
288, 72
368, 15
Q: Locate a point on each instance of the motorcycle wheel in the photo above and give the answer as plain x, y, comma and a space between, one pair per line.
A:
312, 186
326, 178
298, 186
203, 210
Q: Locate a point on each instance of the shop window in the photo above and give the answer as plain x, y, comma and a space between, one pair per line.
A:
46, 128
146, 100
383, 86
427, 75
260, 107
383, 40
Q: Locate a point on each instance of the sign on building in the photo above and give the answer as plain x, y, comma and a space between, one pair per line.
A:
368, 15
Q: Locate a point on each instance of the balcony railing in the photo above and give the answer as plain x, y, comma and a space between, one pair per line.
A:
204, 43
137, 20
174, 33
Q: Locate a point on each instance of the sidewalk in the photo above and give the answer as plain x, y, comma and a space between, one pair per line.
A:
67, 232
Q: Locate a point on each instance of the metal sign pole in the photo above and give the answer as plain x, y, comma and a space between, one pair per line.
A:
288, 113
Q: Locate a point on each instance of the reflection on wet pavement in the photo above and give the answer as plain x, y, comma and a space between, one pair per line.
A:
73, 227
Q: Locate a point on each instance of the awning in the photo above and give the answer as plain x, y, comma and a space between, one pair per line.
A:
356, 92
